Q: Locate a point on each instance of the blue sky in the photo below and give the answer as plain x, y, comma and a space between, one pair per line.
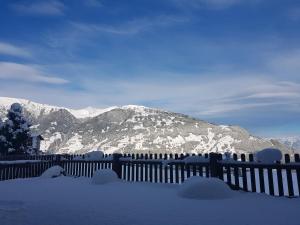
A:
226, 61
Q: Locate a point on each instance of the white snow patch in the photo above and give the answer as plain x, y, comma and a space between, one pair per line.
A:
138, 126
74, 201
225, 127
52, 172
104, 176
94, 155
89, 112
205, 189
73, 144
45, 144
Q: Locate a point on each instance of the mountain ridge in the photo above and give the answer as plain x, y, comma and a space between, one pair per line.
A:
134, 128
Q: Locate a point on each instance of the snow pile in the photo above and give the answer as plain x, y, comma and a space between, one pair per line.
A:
94, 155
104, 176
205, 188
52, 172
268, 155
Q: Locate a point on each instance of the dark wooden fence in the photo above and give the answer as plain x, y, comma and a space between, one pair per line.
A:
241, 173
24, 170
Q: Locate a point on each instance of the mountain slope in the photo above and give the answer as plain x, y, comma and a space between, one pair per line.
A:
293, 143
133, 129
37, 109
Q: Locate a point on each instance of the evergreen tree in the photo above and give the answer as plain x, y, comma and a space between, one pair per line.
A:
3, 141
15, 132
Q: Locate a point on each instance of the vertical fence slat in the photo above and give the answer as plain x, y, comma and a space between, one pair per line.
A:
261, 180
297, 160
236, 174
166, 178
176, 173
228, 175
244, 174
171, 173
252, 174
289, 176
270, 178
133, 165
188, 170
128, 171
160, 173
182, 170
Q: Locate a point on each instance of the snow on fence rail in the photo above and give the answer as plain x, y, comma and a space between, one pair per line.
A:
278, 179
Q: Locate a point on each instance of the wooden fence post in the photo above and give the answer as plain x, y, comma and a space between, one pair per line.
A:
116, 164
213, 165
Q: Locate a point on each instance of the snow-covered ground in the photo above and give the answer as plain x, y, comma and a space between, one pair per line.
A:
76, 201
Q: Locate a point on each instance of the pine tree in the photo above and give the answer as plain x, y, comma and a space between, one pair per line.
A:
16, 132
3, 141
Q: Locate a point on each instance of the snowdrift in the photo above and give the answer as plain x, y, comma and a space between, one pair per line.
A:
94, 155
104, 176
52, 172
205, 189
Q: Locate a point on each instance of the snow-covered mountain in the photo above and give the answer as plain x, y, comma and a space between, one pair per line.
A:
37, 109
132, 129
293, 143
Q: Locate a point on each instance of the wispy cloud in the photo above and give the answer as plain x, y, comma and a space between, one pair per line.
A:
47, 8
285, 62
204, 96
294, 13
29, 73
131, 27
93, 3
9, 49
212, 4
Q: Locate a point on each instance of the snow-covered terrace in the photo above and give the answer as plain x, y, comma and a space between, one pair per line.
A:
76, 201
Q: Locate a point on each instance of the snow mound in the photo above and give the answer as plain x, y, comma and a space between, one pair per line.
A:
205, 189
104, 176
268, 155
94, 155
52, 172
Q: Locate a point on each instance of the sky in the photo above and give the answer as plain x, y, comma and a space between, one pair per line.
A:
231, 62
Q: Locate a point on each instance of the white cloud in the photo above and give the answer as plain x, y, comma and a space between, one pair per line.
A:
204, 96
286, 63
30, 73
49, 8
131, 27
8, 49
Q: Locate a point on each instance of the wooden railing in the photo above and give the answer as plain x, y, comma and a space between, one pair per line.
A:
277, 179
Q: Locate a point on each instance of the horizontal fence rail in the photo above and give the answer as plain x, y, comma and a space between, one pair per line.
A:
240, 173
